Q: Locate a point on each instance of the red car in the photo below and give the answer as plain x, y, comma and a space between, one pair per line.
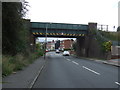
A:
46, 50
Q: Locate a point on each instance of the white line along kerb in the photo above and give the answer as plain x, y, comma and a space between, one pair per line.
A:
91, 70
117, 83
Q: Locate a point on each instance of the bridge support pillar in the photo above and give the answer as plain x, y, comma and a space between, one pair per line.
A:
88, 46
80, 48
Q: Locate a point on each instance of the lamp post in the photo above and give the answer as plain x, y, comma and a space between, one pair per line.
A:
46, 40
45, 45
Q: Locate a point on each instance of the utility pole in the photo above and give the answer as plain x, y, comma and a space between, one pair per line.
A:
45, 42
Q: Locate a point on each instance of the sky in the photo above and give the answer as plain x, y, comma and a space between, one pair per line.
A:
75, 11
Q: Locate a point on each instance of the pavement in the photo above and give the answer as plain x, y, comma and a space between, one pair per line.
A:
114, 62
24, 78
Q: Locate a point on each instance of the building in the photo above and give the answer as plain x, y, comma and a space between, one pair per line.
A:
50, 45
66, 44
61, 45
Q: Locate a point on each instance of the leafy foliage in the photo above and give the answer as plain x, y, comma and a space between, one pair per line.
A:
110, 35
39, 50
16, 38
13, 31
74, 46
11, 64
107, 46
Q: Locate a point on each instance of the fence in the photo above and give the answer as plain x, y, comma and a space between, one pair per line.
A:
102, 27
115, 51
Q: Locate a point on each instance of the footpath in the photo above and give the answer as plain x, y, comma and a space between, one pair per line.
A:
26, 77
114, 62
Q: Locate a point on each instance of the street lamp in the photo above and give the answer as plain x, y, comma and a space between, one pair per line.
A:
46, 39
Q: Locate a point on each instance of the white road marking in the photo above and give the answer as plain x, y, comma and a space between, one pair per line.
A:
117, 83
75, 62
91, 70
35, 79
68, 59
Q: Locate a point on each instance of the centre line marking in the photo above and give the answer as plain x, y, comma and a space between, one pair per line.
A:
91, 70
75, 62
117, 83
68, 59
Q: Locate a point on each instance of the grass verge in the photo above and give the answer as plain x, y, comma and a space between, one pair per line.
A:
12, 64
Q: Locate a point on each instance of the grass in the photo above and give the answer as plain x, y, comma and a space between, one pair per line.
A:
110, 35
12, 64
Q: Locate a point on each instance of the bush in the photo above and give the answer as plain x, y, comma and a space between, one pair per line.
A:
7, 66
19, 62
107, 46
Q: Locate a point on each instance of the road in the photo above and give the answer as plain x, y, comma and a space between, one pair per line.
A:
70, 72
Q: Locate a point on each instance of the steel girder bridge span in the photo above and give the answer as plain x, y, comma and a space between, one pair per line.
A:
41, 29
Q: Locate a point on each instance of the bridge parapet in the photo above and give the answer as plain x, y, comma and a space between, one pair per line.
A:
59, 26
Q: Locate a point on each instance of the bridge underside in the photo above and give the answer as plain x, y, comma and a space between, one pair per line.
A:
58, 33
58, 36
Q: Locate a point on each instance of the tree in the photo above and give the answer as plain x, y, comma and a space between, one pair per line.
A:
12, 27
74, 46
